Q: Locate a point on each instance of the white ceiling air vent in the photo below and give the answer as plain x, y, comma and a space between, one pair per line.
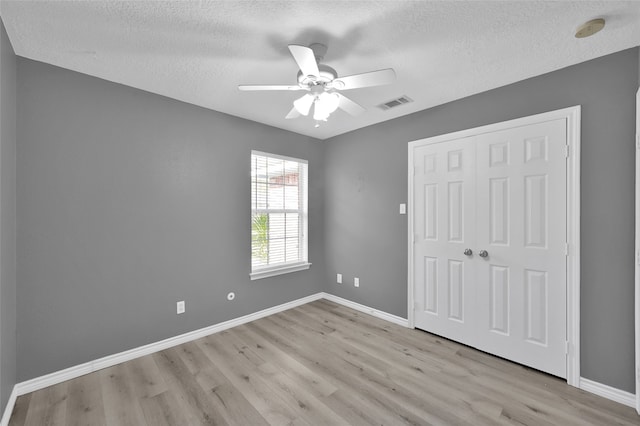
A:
404, 99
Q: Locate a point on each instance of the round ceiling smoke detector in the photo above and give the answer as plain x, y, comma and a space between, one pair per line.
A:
590, 28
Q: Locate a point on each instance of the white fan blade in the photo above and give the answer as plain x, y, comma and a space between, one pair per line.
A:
367, 79
293, 113
349, 106
306, 59
303, 104
248, 87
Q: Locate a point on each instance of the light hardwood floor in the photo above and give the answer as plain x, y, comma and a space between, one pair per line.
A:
319, 364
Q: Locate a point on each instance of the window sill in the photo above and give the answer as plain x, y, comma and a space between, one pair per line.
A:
279, 271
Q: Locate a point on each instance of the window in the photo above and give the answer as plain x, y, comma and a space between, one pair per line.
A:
278, 215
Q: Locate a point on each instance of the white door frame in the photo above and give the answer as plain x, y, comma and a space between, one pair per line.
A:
572, 115
637, 273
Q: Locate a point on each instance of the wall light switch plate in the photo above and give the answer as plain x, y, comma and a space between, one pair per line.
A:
356, 282
180, 307
339, 278
403, 208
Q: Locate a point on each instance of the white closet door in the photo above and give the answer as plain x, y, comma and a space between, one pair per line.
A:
444, 221
502, 195
521, 211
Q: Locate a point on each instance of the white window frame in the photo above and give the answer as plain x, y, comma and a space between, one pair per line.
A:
285, 268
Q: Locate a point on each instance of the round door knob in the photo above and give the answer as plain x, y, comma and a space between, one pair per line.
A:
483, 253
468, 252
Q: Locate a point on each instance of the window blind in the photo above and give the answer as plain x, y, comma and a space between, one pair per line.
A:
278, 211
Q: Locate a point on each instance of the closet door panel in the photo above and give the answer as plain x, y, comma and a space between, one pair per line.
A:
444, 218
521, 210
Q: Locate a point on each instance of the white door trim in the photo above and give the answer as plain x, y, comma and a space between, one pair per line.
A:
572, 115
637, 268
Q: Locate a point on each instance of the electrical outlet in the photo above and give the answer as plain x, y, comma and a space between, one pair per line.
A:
403, 208
339, 278
180, 307
356, 282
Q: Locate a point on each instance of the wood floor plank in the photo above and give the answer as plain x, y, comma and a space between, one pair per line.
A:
364, 371
392, 341
234, 407
145, 377
320, 363
296, 402
358, 410
85, 405
270, 405
517, 378
412, 374
48, 406
164, 409
120, 402
344, 376
351, 405
288, 364
202, 408
20, 410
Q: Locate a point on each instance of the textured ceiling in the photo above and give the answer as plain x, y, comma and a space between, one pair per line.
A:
198, 52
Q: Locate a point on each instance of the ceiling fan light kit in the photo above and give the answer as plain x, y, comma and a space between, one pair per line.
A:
324, 104
323, 83
303, 104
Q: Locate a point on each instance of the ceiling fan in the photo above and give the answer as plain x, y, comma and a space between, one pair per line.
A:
323, 84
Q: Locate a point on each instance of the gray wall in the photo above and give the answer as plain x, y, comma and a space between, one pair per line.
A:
128, 202
7, 218
366, 179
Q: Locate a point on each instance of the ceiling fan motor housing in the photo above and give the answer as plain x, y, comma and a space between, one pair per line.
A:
327, 74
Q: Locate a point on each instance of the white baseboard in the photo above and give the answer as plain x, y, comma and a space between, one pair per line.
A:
111, 360
605, 391
367, 310
42, 382
6, 416
108, 361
